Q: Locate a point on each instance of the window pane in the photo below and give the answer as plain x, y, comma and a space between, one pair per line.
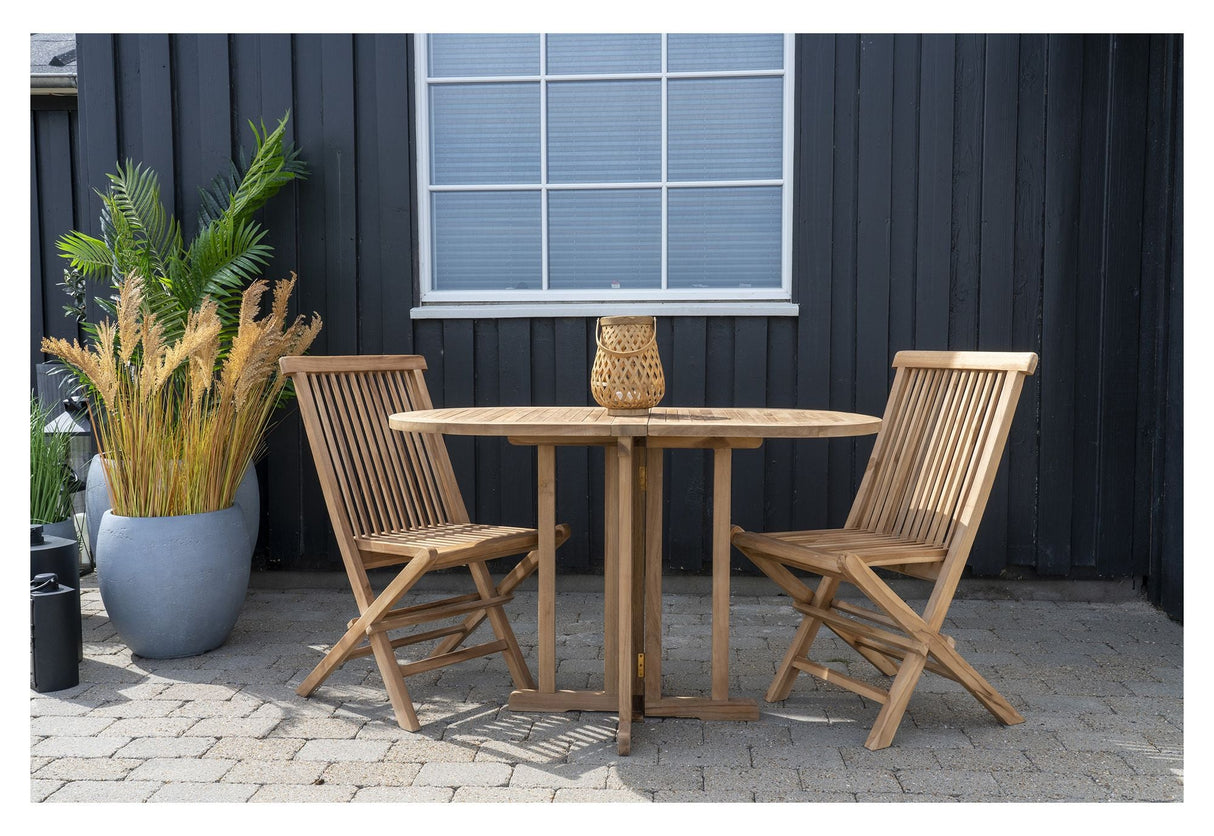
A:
699, 53
725, 129
454, 56
486, 240
484, 134
568, 54
724, 237
604, 236
604, 131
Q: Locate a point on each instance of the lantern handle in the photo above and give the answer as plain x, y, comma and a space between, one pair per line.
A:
598, 340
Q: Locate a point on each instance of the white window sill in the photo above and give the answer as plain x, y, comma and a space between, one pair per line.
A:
543, 310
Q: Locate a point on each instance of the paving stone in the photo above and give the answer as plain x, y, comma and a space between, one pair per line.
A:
537, 752
105, 791
87, 769
254, 748
626, 775
418, 749
148, 727
68, 726
204, 792
166, 747
848, 781
41, 788
234, 727
342, 750
312, 728
560, 776
408, 795
796, 757
1050, 786
957, 782
79, 747
274, 772
892, 757
583, 795
137, 708
502, 795
464, 774
181, 769
1140, 788
50, 707
304, 793
198, 691
901, 798
982, 759
238, 706
735, 755
702, 797
378, 774
801, 797
768, 779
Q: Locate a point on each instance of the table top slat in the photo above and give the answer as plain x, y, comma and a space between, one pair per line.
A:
593, 421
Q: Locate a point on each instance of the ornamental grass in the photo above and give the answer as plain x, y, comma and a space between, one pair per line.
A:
179, 429
49, 473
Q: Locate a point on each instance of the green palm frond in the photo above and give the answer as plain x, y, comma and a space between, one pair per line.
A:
91, 256
221, 262
246, 186
133, 204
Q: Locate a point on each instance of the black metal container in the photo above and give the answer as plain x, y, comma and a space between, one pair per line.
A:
53, 635
59, 556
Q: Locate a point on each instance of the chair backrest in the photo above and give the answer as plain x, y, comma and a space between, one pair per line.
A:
375, 480
942, 436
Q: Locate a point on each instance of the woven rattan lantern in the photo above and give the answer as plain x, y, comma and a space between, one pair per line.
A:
627, 374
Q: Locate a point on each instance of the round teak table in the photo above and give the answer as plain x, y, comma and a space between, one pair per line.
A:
632, 533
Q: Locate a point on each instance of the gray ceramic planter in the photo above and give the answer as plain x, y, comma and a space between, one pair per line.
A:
173, 586
97, 502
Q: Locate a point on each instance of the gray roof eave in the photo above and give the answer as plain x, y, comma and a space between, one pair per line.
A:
60, 83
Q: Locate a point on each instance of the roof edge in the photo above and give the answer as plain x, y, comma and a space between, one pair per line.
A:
61, 84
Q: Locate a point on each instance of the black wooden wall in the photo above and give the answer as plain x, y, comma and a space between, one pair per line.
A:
990, 192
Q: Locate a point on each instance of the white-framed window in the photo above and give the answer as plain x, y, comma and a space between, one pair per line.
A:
592, 169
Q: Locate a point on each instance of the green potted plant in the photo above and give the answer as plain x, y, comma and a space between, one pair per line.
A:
180, 428
228, 252
51, 480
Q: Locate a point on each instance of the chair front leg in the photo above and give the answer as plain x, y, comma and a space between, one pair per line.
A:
786, 673
890, 716
348, 644
501, 628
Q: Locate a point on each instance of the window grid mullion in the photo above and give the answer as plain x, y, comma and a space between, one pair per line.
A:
665, 202
543, 161
514, 79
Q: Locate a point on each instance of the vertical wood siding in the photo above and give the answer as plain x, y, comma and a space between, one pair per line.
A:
990, 192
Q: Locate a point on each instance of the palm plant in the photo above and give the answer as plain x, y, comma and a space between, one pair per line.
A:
228, 253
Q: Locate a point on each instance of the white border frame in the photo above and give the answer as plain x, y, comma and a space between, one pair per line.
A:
545, 302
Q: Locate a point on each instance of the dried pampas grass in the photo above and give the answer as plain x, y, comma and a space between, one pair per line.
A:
177, 433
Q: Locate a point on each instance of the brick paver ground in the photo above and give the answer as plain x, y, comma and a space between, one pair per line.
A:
1099, 683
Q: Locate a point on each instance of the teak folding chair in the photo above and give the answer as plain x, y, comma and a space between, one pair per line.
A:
916, 513
393, 501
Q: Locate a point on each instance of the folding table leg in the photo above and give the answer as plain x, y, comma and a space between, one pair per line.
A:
626, 659
546, 500
721, 500
653, 575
